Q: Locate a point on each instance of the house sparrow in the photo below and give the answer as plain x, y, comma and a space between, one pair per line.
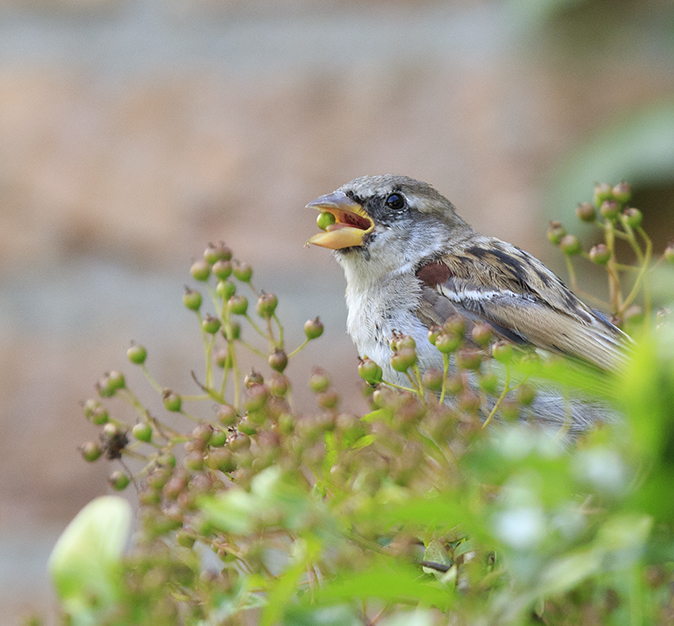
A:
411, 262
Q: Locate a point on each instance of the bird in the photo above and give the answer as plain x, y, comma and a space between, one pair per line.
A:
412, 262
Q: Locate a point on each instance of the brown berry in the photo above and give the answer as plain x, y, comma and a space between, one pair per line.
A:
586, 212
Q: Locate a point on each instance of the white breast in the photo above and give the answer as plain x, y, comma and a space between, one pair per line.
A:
377, 309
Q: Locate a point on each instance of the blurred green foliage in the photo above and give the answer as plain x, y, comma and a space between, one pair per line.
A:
413, 513
639, 147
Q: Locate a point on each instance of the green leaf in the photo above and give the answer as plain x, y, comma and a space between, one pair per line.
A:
391, 582
364, 442
378, 415
285, 586
568, 571
84, 562
331, 452
444, 511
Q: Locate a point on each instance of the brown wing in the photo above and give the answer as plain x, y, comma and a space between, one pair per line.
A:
497, 283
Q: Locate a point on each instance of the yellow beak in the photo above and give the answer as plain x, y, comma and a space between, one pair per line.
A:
351, 225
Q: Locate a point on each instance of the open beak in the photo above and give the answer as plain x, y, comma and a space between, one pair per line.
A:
351, 225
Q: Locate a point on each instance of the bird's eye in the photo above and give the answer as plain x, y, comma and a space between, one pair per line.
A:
395, 201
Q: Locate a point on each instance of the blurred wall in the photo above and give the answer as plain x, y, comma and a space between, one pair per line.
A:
132, 132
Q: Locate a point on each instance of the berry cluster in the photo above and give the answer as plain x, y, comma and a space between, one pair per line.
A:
611, 214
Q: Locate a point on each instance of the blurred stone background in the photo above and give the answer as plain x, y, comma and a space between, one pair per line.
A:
133, 132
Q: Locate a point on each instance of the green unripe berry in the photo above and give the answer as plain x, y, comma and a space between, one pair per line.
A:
602, 192
482, 334
213, 254
669, 253
222, 269
256, 398
136, 354
158, 477
266, 305
370, 371
622, 192
278, 385
90, 406
609, 209
253, 378
110, 384
192, 299
218, 438
172, 401
286, 423
238, 305
433, 333
319, 381
447, 342
556, 232
586, 212
257, 417
185, 539
210, 324
600, 254
236, 329
221, 459
225, 289
278, 361
210, 254
119, 480
167, 460
384, 397
469, 402
455, 325
200, 270
402, 360
406, 341
432, 379
91, 451
194, 461
99, 416
510, 409
103, 388
489, 383
526, 393
202, 434
243, 272
313, 329
633, 217
227, 415
116, 380
239, 443
220, 357
247, 427
142, 431
325, 219
502, 351
94, 411
328, 399
469, 359
570, 245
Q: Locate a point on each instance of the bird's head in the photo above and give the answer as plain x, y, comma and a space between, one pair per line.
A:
387, 220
